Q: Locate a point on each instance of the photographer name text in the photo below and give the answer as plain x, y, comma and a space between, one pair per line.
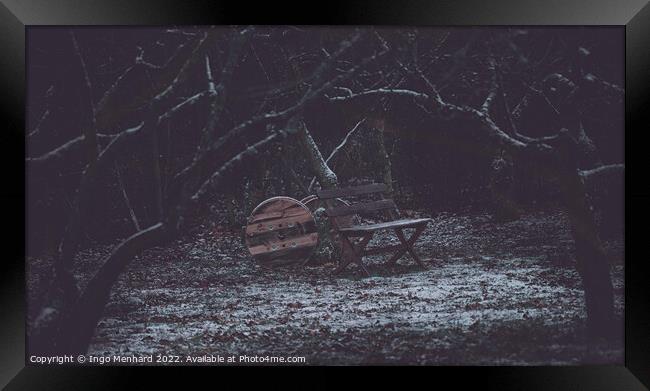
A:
165, 359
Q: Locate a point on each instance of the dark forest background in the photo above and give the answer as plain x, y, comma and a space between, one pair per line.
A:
136, 135
435, 166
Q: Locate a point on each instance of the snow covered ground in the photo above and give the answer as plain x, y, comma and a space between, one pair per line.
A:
504, 293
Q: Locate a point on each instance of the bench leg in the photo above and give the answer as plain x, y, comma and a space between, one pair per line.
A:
408, 244
346, 256
359, 250
398, 254
353, 253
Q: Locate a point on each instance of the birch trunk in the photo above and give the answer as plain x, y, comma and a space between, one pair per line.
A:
323, 173
328, 248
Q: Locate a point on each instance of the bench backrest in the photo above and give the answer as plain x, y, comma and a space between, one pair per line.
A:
384, 205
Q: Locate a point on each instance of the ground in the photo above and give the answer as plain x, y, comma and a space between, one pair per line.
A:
494, 293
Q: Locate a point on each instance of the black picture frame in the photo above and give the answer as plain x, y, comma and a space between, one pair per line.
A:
17, 15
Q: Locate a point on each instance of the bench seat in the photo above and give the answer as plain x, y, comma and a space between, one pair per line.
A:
354, 239
403, 223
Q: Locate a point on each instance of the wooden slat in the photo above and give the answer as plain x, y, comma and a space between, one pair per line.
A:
405, 223
286, 245
279, 224
361, 207
352, 191
380, 250
258, 238
295, 211
285, 257
279, 203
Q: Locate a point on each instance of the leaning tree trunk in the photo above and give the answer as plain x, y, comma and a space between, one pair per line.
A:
79, 323
328, 247
592, 261
323, 173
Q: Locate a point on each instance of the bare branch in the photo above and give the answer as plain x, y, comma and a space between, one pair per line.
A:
325, 65
127, 201
181, 75
117, 100
345, 140
441, 104
70, 240
337, 149
441, 41
543, 95
268, 118
384, 92
191, 101
119, 140
218, 93
491, 127
560, 78
63, 150
523, 103
110, 92
46, 112
602, 170
495, 132
208, 73
218, 174
587, 146
482, 115
590, 77
89, 131
58, 152
37, 128
494, 86
311, 94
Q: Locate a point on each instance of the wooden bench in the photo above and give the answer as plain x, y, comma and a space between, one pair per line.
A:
347, 231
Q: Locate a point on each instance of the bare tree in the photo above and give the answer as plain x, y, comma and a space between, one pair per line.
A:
67, 321
242, 123
555, 154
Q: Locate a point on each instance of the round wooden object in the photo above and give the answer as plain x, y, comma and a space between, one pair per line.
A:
281, 231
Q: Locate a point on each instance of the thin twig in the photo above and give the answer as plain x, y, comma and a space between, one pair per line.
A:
127, 202
90, 131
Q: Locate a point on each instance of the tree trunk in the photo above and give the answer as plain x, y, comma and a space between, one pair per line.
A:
157, 178
592, 261
502, 189
384, 159
323, 173
78, 325
328, 247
